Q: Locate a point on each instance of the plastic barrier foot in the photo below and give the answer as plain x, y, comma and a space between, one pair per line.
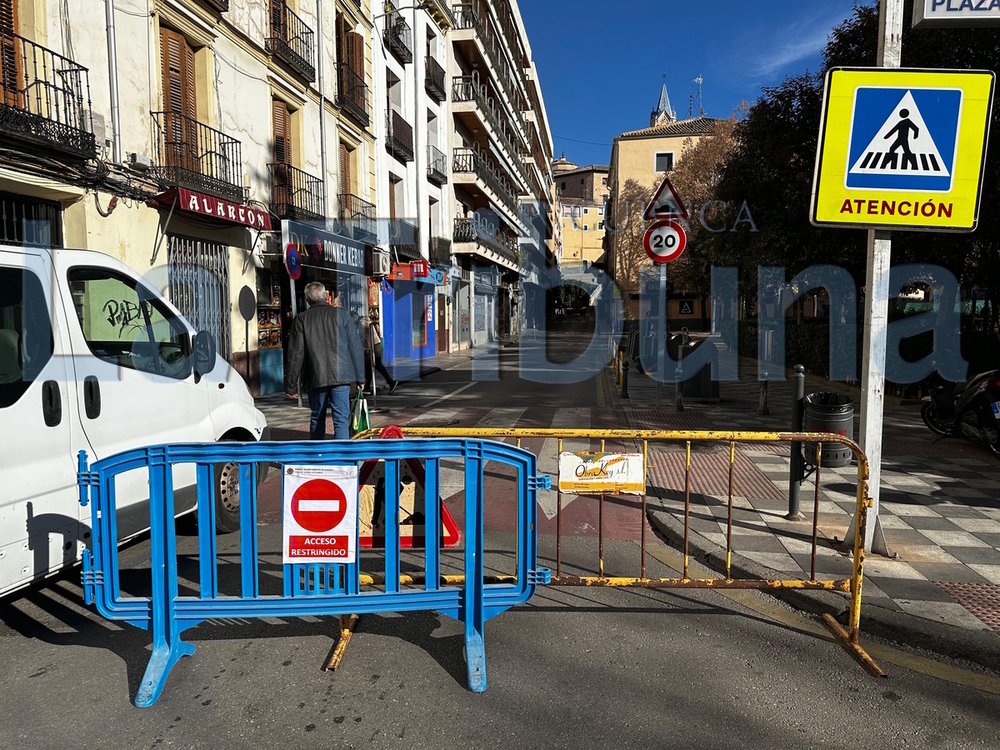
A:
475, 659
160, 663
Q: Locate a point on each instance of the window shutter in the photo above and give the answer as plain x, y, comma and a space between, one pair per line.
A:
392, 200
8, 54
178, 74
282, 134
345, 170
358, 60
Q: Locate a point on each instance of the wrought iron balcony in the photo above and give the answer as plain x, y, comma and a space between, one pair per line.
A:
398, 36
358, 216
404, 240
191, 154
486, 235
440, 251
435, 80
468, 161
295, 194
399, 136
465, 89
352, 94
291, 40
437, 165
44, 98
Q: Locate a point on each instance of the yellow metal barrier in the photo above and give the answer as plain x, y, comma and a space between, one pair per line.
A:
852, 585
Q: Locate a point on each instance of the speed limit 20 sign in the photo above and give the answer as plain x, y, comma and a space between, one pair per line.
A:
664, 240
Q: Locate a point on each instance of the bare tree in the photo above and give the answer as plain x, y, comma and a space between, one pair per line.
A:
627, 232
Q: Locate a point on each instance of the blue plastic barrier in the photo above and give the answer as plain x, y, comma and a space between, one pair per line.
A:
309, 589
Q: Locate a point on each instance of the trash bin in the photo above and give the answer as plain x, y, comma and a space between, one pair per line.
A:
698, 386
829, 412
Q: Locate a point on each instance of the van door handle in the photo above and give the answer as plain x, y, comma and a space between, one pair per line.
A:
92, 397
51, 403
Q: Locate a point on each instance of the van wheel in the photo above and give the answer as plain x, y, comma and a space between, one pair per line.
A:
227, 498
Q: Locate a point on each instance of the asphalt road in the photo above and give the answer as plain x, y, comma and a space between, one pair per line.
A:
573, 668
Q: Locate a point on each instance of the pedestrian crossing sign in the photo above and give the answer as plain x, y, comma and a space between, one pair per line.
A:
902, 149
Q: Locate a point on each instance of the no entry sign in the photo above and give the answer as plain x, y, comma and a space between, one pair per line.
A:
320, 515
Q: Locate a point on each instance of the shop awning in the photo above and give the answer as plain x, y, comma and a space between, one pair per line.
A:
210, 207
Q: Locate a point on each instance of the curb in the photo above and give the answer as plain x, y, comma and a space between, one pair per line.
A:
979, 647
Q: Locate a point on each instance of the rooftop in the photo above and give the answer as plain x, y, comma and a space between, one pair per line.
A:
588, 168
694, 126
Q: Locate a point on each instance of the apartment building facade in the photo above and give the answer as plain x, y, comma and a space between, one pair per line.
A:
583, 193
195, 140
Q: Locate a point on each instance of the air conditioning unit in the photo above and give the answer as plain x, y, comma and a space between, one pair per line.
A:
380, 263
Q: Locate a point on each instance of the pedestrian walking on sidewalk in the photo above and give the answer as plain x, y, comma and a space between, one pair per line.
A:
373, 352
325, 350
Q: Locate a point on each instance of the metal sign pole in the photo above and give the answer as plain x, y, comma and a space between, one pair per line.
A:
661, 336
890, 45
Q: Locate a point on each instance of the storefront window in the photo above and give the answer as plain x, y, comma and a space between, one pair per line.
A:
420, 305
480, 313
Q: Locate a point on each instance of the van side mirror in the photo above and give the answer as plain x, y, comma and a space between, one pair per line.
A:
204, 354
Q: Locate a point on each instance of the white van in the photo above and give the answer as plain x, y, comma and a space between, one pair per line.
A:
93, 359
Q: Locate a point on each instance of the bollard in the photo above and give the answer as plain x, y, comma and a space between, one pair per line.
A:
762, 407
679, 385
795, 467
624, 378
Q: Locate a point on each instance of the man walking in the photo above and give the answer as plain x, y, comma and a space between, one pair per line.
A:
325, 350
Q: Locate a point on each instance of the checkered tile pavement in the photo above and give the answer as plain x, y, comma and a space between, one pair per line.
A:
940, 504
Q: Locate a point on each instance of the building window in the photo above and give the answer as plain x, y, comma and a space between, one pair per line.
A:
604, 180
581, 182
585, 228
600, 211
575, 226
26, 221
586, 212
600, 226
564, 186
664, 161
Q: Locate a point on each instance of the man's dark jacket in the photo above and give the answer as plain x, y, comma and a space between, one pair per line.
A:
324, 348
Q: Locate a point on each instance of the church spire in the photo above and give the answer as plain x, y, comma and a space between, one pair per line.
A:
664, 112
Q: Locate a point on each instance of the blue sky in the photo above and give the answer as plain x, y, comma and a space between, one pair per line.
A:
601, 64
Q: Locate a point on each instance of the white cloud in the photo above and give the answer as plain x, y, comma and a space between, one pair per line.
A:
803, 39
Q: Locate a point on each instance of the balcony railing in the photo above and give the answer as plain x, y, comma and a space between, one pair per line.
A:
467, 17
44, 97
466, 160
485, 235
398, 36
191, 154
352, 94
465, 89
295, 194
358, 215
291, 40
399, 136
435, 80
404, 240
437, 165
440, 251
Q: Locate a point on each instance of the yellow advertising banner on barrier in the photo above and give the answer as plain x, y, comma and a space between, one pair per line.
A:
902, 149
602, 473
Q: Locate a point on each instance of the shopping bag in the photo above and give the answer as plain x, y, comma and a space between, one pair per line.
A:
360, 421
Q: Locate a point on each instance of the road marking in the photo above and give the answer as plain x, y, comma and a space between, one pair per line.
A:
810, 626
446, 396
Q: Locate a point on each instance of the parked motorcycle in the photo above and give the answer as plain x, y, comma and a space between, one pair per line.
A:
969, 410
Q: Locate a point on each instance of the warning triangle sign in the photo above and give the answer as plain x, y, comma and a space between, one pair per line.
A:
666, 204
371, 508
903, 145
